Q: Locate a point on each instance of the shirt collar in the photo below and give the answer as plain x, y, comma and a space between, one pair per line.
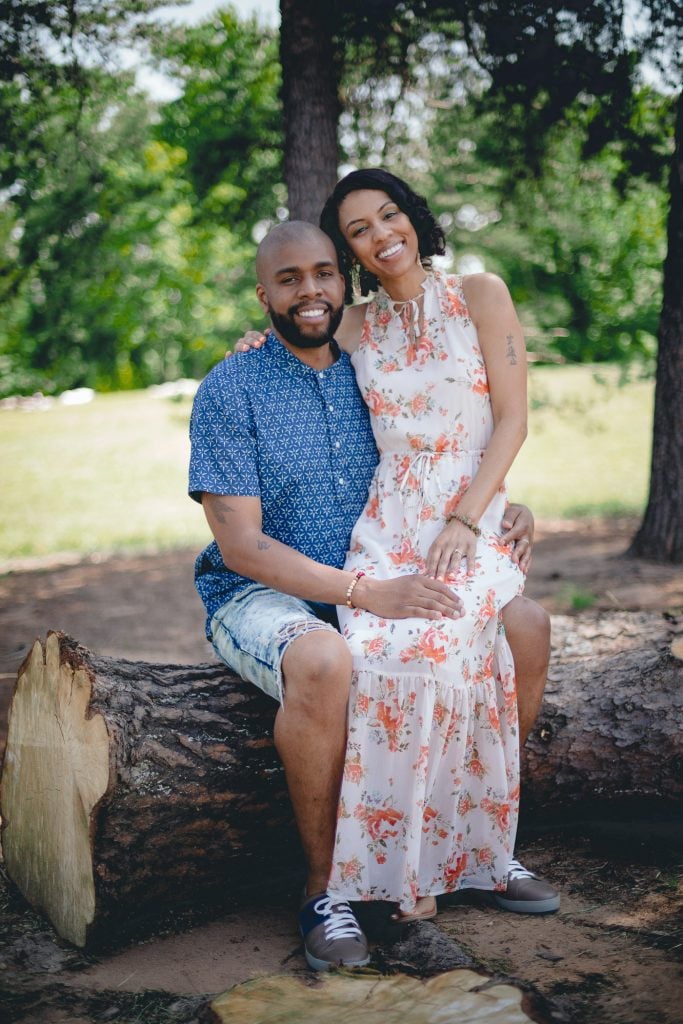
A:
281, 351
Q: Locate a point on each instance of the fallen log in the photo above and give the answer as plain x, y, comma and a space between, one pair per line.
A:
130, 787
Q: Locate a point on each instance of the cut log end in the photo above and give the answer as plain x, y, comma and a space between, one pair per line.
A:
56, 771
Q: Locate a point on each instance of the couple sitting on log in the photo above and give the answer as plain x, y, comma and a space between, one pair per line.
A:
366, 571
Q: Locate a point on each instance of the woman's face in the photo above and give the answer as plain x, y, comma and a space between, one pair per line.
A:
379, 234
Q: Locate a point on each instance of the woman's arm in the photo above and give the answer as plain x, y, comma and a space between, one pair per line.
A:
349, 331
502, 345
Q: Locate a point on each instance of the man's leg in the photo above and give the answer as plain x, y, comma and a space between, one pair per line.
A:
527, 627
277, 642
310, 736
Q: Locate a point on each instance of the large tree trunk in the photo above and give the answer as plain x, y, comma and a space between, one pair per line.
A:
129, 788
660, 537
310, 101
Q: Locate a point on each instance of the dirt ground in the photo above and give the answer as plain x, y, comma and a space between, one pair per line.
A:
610, 956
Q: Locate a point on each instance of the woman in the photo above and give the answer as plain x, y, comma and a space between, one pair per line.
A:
430, 794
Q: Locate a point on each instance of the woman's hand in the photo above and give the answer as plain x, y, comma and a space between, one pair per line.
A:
518, 522
455, 542
251, 339
407, 597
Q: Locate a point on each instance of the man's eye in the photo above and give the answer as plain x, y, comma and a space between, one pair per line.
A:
325, 273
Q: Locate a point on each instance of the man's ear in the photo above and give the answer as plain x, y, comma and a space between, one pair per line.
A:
262, 297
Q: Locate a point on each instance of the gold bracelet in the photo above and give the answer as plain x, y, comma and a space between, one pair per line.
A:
357, 576
466, 521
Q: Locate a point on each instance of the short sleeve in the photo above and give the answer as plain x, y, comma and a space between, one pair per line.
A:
223, 456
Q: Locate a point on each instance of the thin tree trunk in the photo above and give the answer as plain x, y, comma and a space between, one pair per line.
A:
311, 105
660, 537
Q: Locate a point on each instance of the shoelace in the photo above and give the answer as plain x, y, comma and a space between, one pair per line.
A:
517, 870
340, 923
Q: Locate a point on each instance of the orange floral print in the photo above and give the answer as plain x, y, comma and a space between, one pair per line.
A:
427, 648
453, 869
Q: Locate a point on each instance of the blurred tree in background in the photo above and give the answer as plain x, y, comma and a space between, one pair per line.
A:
128, 230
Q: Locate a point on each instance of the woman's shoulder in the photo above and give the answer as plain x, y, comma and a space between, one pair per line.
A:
483, 285
349, 331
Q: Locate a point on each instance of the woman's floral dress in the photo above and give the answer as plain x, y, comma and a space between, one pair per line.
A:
430, 795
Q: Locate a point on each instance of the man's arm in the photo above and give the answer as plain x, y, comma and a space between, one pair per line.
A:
236, 523
518, 522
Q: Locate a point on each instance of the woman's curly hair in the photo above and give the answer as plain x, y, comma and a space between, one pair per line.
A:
430, 236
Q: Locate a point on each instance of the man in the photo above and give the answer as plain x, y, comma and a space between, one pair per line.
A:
282, 458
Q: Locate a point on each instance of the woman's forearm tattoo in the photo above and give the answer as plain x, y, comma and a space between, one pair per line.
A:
510, 353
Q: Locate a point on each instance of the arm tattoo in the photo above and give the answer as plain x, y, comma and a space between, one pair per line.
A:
220, 509
510, 353
262, 545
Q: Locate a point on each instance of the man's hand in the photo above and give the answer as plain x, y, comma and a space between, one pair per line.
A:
407, 597
518, 522
251, 339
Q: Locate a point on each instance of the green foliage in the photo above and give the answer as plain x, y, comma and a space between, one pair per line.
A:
127, 233
228, 118
114, 272
581, 244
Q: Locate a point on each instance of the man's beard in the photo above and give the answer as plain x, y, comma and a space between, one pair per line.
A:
285, 325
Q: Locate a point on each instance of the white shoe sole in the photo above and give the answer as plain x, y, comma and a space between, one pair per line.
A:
547, 906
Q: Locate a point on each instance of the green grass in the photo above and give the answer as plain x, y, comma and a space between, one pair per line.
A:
589, 443
112, 475
97, 477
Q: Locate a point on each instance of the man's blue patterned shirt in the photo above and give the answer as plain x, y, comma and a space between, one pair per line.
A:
267, 425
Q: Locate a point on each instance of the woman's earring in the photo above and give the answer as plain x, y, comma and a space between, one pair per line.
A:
355, 278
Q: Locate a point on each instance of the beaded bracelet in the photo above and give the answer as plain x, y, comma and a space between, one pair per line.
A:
357, 576
466, 521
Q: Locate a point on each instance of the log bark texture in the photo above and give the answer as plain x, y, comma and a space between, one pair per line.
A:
129, 787
611, 724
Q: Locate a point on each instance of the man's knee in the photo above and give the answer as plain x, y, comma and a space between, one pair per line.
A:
317, 671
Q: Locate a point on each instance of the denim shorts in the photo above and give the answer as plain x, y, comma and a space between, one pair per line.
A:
251, 633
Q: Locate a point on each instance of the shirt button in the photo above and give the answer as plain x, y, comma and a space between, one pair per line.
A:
331, 408
341, 479
321, 375
337, 444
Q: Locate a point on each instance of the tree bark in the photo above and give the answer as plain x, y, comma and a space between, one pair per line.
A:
660, 537
611, 724
128, 787
310, 100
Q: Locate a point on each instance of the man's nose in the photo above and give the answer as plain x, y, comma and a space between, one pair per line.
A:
309, 285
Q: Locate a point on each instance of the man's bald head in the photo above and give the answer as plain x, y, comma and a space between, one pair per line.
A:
283, 236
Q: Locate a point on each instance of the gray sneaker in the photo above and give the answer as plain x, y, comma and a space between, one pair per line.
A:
331, 933
527, 893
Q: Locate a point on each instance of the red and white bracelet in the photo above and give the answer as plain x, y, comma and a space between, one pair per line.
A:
356, 576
